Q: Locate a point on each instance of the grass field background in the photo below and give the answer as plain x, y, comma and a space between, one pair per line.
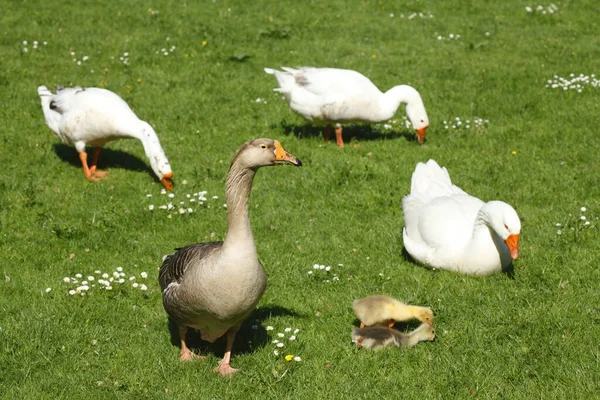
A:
534, 335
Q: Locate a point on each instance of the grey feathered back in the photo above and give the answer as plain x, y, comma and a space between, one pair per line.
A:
175, 265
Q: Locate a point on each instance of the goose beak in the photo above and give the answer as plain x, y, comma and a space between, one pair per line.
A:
421, 134
167, 181
282, 156
513, 245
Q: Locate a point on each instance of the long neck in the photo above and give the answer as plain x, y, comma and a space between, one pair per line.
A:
154, 151
391, 100
237, 193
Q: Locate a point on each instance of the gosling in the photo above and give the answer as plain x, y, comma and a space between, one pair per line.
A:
378, 337
384, 310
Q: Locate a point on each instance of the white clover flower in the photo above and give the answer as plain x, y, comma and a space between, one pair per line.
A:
48, 290
280, 334
135, 284
275, 341
108, 287
121, 280
66, 279
280, 345
72, 292
276, 352
269, 328
321, 267
171, 195
144, 275
97, 271
143, 287
292, 338
587, 222
90, 278
297, 358
583, 218
583, 209
132, 278
84, 282
316, 266
105, 275
163, 191
151, 207
328, 269
119, 269
296, 331
310, 272
78, 276
25, 42
287, 330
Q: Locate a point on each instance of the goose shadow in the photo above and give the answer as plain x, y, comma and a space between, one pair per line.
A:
350, 131
402, 326
509, 270
108, 159
251, 335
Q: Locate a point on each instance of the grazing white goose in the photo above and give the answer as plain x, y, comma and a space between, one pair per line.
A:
447, 228
214, 287
331, 95
93, 116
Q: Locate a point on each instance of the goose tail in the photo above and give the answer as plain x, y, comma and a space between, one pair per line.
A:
285, 79
52, 117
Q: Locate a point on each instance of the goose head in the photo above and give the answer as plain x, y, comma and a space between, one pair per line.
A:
503, 220
415, 110
262, 153
425, 314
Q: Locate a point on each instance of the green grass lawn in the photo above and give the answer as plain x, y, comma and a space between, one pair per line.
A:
531, 336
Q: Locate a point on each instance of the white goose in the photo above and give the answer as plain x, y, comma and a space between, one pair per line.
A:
331, 95
447, 228
93, 116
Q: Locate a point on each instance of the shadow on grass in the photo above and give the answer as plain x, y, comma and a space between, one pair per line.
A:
509, 271
246, 340
350, 131
108, 159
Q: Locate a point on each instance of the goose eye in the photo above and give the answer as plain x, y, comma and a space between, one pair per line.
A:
505, 227
263, 146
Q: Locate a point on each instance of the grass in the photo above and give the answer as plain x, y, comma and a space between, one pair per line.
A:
534, 336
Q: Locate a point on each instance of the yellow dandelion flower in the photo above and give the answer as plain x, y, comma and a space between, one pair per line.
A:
150, 10
514, 152
204, 43
373, 56
139, 80
289, 357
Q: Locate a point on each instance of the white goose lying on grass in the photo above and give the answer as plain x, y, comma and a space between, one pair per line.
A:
447, 228
93, 116
214, 287
331, 95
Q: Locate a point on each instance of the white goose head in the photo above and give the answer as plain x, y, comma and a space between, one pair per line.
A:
503, 220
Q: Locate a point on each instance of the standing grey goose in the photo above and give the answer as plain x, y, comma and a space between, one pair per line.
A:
214, 287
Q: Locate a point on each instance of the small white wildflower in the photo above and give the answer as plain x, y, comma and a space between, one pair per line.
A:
84, 282
182, 211
48, 290
151, 207
559, 232
163, 191
135, 284
171, 195
310, 272
316, 266
90, 278
269, 328
583, 218
97, 271
292, 338
327, 269
149, 195
108, 287
587, 222
583, 209
276, 352
105, 275
132, 278
296, 331
275, 341
287, 330
72, 292
215, 197
66, 279
335, 278
297, 358
78, 276
321, 267
280, 334
279, 344
119, 269
121, 280
143, 287
25, 42
144, 275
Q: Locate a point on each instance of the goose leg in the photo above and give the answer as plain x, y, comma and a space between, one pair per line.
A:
391, 323
338, 136
327, 133
362, 324
93, 169
186, 354
86, 170
224, 368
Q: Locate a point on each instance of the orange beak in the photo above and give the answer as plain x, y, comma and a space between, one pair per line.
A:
167, 181
282, 156
421, 134
512, 242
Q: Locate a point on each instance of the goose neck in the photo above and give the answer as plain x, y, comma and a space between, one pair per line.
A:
237, 194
